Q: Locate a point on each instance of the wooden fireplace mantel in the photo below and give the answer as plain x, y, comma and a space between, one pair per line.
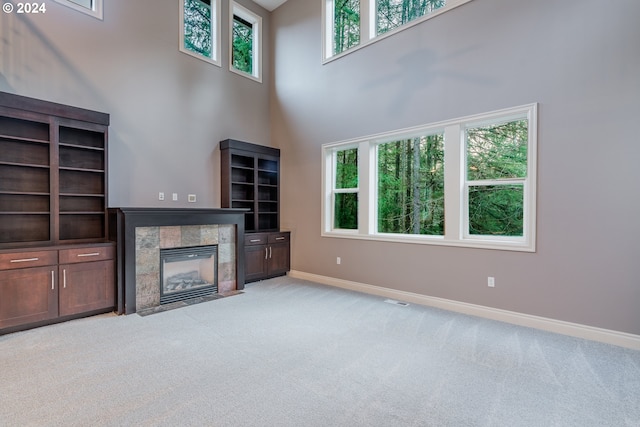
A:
122, 229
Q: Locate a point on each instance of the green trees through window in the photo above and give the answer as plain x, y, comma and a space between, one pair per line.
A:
351, 24
411, 186
242, 45
496, 168
197, 27
345, 191
465, 182
346, 25
391, 14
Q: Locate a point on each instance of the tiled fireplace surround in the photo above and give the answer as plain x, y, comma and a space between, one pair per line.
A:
140, 233
149, 241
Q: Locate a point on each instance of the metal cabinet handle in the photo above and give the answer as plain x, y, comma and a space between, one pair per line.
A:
254, 240
53, 280
265, 253
269, 252
64, 278
91, 254
24, 260
279, 238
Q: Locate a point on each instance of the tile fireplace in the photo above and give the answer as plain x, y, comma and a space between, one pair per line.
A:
144, 234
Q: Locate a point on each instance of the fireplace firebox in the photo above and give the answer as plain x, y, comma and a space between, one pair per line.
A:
187, 273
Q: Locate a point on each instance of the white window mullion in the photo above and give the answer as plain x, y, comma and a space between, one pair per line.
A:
367, 20
366, 184
453, 182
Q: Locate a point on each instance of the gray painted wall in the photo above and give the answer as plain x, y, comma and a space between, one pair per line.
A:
579, 60
168, 109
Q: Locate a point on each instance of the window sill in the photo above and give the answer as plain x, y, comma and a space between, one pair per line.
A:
476, 243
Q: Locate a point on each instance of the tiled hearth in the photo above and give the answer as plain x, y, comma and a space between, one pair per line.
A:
149, 241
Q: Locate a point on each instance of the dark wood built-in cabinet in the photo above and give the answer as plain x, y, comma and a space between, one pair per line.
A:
250, 179
266, 255
55, 259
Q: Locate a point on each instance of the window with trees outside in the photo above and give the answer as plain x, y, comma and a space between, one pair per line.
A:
350, 24
464, 182
90, 7
345, 188
200, 29
245, 51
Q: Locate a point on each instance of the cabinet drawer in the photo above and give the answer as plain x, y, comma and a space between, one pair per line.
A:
93, 253
278, 237
255, 239
15, 260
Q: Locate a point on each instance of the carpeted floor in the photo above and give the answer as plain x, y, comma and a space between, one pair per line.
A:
293, 353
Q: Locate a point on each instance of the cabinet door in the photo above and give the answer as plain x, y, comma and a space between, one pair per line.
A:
278, 258
86, 287
255, 262
28, 295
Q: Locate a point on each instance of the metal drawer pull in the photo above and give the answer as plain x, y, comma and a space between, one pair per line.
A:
91, 254
279, 238
24, 260
254, 240
53, 278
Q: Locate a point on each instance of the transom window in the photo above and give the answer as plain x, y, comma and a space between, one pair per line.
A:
200, 29
350, 24
465, 182
246, 42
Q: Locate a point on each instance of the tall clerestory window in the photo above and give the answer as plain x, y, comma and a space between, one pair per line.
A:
200, 29
246, 42
346, 21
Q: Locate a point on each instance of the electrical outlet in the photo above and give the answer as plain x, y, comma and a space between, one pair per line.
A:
191, 198
338, 260
161, 196
174, 197
491, 282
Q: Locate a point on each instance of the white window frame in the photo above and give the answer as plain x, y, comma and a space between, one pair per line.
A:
456, 185
96, 9
215, 35
256, 22
368, 26
331, 161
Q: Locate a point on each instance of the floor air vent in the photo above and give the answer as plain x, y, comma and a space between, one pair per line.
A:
400, 303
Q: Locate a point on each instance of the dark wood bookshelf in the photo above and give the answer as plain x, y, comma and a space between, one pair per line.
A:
56, 262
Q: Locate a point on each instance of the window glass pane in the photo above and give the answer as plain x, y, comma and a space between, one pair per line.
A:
197, 27
84, 3
411, 186
347, 168
346, 211
393, 13
346, 25
496, 210
242, 54
497, 151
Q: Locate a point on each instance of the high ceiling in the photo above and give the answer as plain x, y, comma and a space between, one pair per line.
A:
269, 4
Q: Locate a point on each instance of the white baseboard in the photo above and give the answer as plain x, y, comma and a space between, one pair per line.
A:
607, 336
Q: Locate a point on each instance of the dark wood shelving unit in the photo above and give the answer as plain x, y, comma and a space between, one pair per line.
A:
250, 179
53, 199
